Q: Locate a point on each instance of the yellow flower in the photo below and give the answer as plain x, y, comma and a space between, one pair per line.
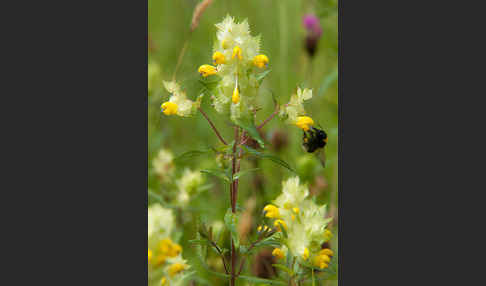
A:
169, 248
296, 210
163, 281
327, 234
236, 96
224, 44
277, 252
271, 211
326, 251
303, 122
321, 261
207, 70
160, 259
176, 268
305, 255
149, 255
169, 108
260, 228
236, 52
260, 61
292, 217
279, 222
218, 58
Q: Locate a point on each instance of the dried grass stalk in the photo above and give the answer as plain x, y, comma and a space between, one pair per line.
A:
198, 11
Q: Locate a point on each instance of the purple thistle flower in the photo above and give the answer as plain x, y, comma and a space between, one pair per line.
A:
314, 32
312, 25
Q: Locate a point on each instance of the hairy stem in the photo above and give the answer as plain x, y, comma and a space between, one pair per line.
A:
212, 126
234, 193
222, 256
269, 118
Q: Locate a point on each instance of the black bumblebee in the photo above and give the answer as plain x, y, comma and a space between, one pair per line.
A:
314, 141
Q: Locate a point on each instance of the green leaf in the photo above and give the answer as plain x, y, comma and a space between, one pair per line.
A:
231, 221
260, 280
191, 154
159, 199
201, 241
284, 268
217, 173
205, 187
210, 83
261, 76
273, 158
249, 127
243, 249
267, 242
283, 229
244, 172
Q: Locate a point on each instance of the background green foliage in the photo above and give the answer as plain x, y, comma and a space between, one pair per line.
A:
280, 24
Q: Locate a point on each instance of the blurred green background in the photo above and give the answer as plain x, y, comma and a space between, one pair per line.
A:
280, 24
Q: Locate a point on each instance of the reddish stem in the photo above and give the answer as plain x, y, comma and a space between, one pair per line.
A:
212, 126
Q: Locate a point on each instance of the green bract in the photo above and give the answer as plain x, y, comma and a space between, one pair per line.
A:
295, 107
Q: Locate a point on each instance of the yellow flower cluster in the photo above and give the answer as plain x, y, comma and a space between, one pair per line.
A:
167, 249
322, 259
163, 252
277, 252
304, 223
236, 59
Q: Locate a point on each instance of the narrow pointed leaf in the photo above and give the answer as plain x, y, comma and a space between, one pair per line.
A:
217, 173
244, 172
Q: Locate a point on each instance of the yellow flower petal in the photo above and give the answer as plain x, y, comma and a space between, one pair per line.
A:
305, 255
236, 96
326, 251
176, 268
169, 108
271, 211
207, 70
279, 222
260, 61
303, 122
236, 53
218, 58
277, 252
